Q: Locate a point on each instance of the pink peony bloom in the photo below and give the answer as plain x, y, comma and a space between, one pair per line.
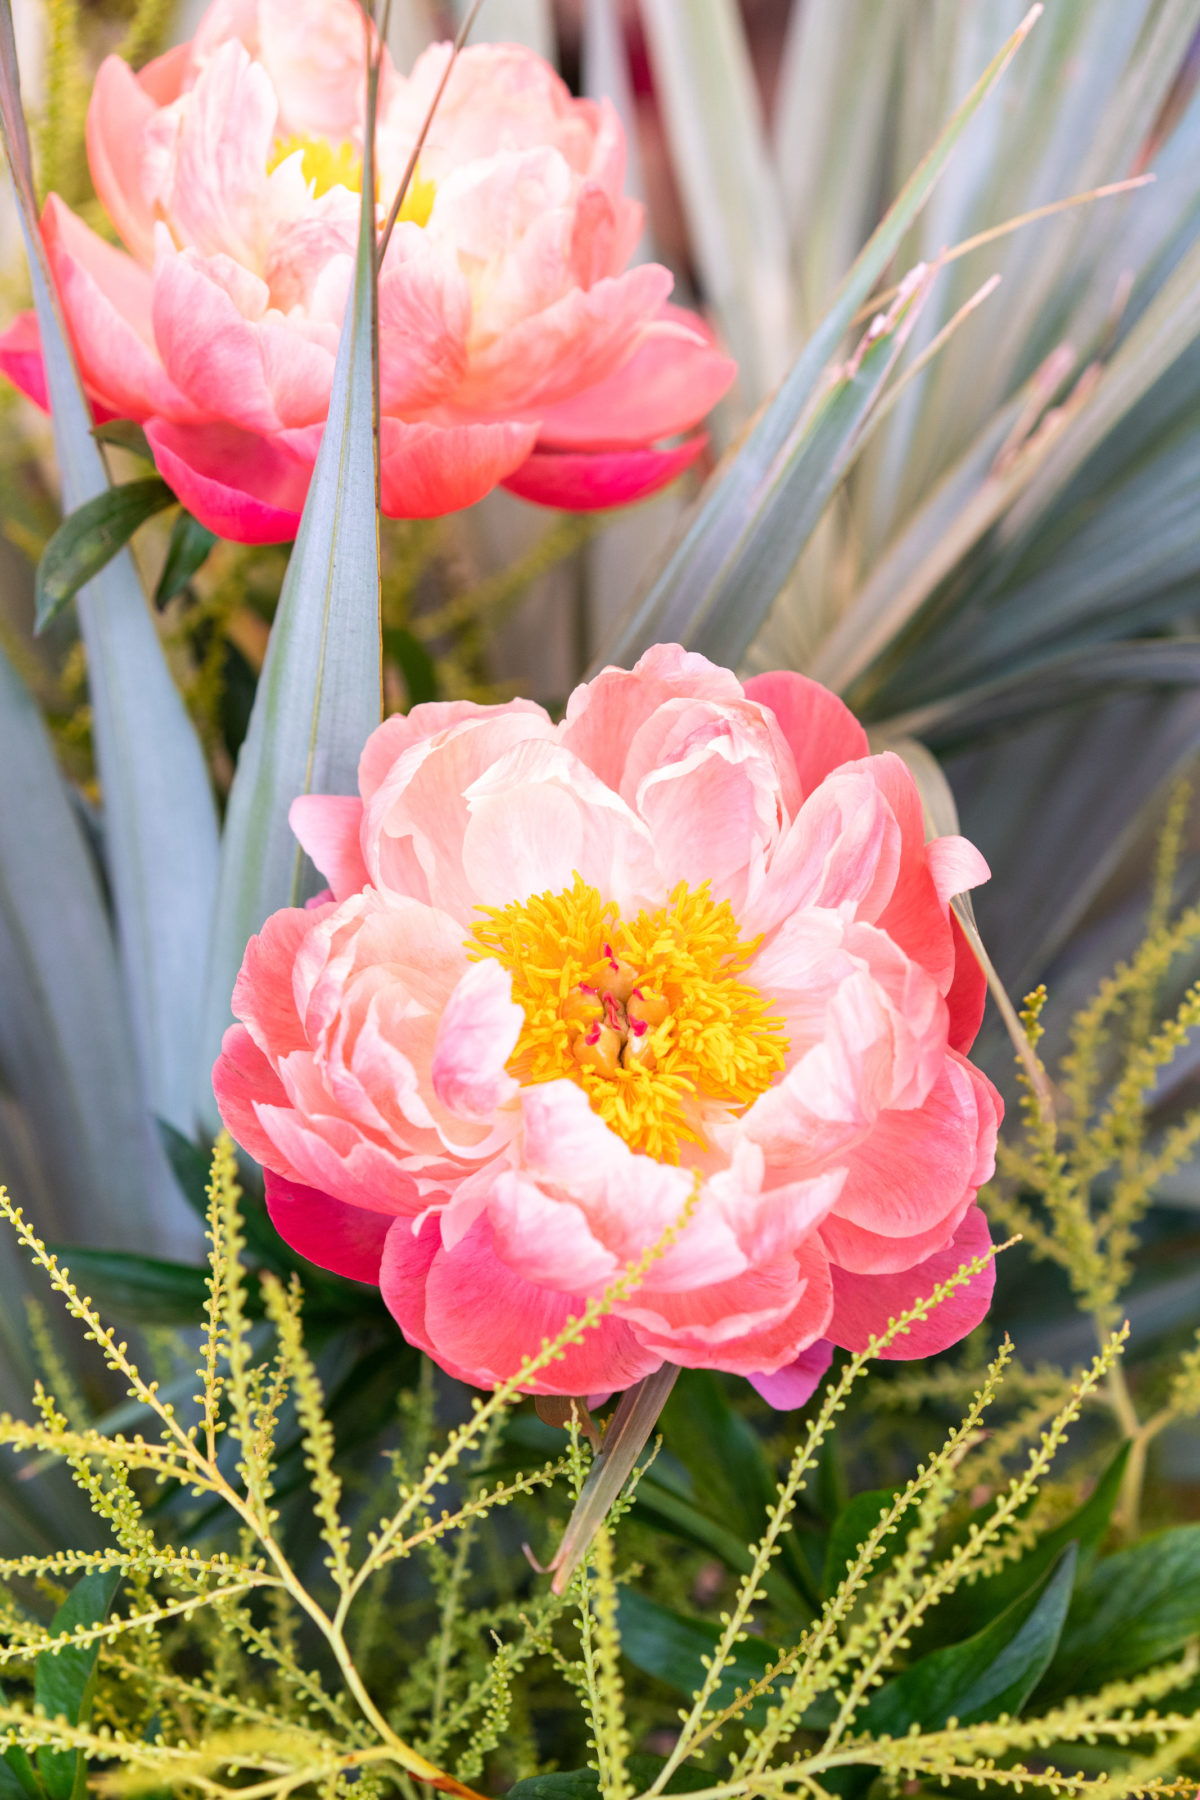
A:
515, 345
689, 942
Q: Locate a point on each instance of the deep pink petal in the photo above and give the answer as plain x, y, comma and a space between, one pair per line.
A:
579, 482
864, 1304
346, 1239
667, 386
328, 827
967, 995
797, 1381
821, 731
21, 359
243, 487
119, 110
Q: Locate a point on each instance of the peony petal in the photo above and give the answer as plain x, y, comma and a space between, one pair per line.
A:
864, 1304
328, 827
797, 1381
587, 483
821, 731
481, 1322
427, 469
346, 1239
242, 487
667, 386
21, 359
477, 1035
956, 865
967, 995
106, 297
120, 108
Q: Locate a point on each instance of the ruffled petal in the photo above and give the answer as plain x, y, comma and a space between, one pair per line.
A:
798, 1381
477, 1034
588, 482
244, 487
428, 469
864, 1304
671, 382
821, 731
329, 828
345, 1239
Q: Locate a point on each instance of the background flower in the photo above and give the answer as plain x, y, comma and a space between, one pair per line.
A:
688, 947
515, 346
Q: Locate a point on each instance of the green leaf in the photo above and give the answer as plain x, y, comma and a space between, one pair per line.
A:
851, 1529
144, 1290
725, 1457
17, 1778
1133, 1609
991, 1673
745, 534
186, 553
89, 538
159, 813
584, 1784
320, 692
667, 1510
66, 1048
125, 434
63, 1679
669, 1646
416, 665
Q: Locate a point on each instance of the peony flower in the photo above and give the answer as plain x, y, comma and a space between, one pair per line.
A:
515, 345
687, 946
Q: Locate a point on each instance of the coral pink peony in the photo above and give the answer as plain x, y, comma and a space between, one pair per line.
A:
689, 942
515, 346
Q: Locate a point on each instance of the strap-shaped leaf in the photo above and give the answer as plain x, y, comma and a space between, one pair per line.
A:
160, 818
743, 538
66, 1049
320, 692
64, 1679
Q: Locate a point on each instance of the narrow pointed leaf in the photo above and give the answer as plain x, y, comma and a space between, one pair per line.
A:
626, 1437
64, 1678
743, 537
66, 1048
319, 695
89, 538
187, 553
160, 817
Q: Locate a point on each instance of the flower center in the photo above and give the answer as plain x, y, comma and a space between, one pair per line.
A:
650, 1016
327, 165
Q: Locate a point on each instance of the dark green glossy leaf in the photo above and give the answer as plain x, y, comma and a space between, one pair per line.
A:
144, 1290
14, 1785
186, 554
189, 1164
723, 1454
850, 1530
991, 1673
63, 1679
415, 663
669, 1646
584, 1784
89, 538
125, 434
1133, 1609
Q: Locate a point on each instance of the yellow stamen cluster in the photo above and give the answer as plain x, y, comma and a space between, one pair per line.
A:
327, 165
650, 1016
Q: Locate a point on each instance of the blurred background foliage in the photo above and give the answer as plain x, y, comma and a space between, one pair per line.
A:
1000, 562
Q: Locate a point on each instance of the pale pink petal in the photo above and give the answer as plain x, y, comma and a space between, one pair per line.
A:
667, 386
588, 482
863, 1305
328, 827
843, 849
243, 1079
477, 1034
243, 487
432, 469
315, 52
481, 1322
914, 915
386, 745
798, 1381
345, 1239
820, 729
205, 159
955, 865
424, 316
605, 714
119, 109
